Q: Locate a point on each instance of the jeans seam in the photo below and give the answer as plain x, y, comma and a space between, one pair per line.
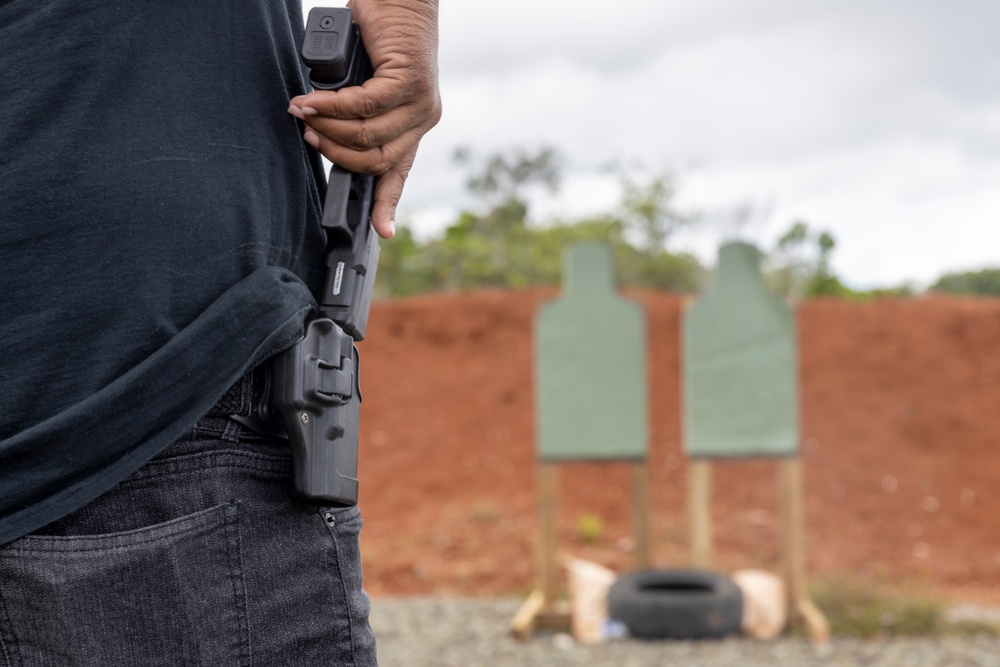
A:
275, 467
330, 521
180, 526
8, 659
233, 539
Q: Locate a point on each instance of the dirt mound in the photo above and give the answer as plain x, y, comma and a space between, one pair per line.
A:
901, 449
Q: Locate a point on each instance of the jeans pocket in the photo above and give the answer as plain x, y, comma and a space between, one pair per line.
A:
168, 594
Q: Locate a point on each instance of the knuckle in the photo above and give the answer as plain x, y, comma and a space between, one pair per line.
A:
364, 137
436, 112
381, 165
431, 108
369, 107
363, 163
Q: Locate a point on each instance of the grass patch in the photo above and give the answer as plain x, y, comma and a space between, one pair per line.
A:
859, 609
485, 512
589, 528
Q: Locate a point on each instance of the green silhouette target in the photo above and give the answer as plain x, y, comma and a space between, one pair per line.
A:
740, 368
590, 367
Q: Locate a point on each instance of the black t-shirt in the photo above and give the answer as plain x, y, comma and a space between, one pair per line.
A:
159, 230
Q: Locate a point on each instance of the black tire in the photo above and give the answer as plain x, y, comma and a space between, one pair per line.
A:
676, 604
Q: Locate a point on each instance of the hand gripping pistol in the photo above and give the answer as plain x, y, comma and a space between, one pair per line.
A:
315, 383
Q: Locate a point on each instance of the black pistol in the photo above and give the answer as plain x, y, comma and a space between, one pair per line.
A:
315, 383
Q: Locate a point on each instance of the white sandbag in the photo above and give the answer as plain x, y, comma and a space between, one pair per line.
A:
588, 591
765, 603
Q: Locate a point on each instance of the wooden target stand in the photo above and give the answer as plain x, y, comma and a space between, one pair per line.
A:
741, 402
544, 609
790, 493
590, 386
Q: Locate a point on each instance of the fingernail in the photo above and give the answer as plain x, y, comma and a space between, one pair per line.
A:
392, 227
295, 111
309, 111
311, 138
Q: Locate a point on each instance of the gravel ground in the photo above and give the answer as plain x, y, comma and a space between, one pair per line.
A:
440, 632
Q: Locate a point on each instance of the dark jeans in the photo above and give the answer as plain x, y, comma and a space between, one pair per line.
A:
202, 557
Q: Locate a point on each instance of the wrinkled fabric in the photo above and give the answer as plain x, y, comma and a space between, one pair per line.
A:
159, 230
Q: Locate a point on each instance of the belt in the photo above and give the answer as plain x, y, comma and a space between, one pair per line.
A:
246, 402
245, 394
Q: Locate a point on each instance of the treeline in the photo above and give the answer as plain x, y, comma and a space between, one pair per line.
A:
498, 245
984, 281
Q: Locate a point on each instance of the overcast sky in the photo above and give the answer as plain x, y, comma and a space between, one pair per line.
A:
878, 121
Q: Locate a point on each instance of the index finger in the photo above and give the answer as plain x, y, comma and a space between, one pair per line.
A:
375, 97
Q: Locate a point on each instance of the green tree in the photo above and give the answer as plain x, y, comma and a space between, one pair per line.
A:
823, 282
788, 264
497, 244
799, 265
405, 267
493, 248
984, 282
502, 177
647, 210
